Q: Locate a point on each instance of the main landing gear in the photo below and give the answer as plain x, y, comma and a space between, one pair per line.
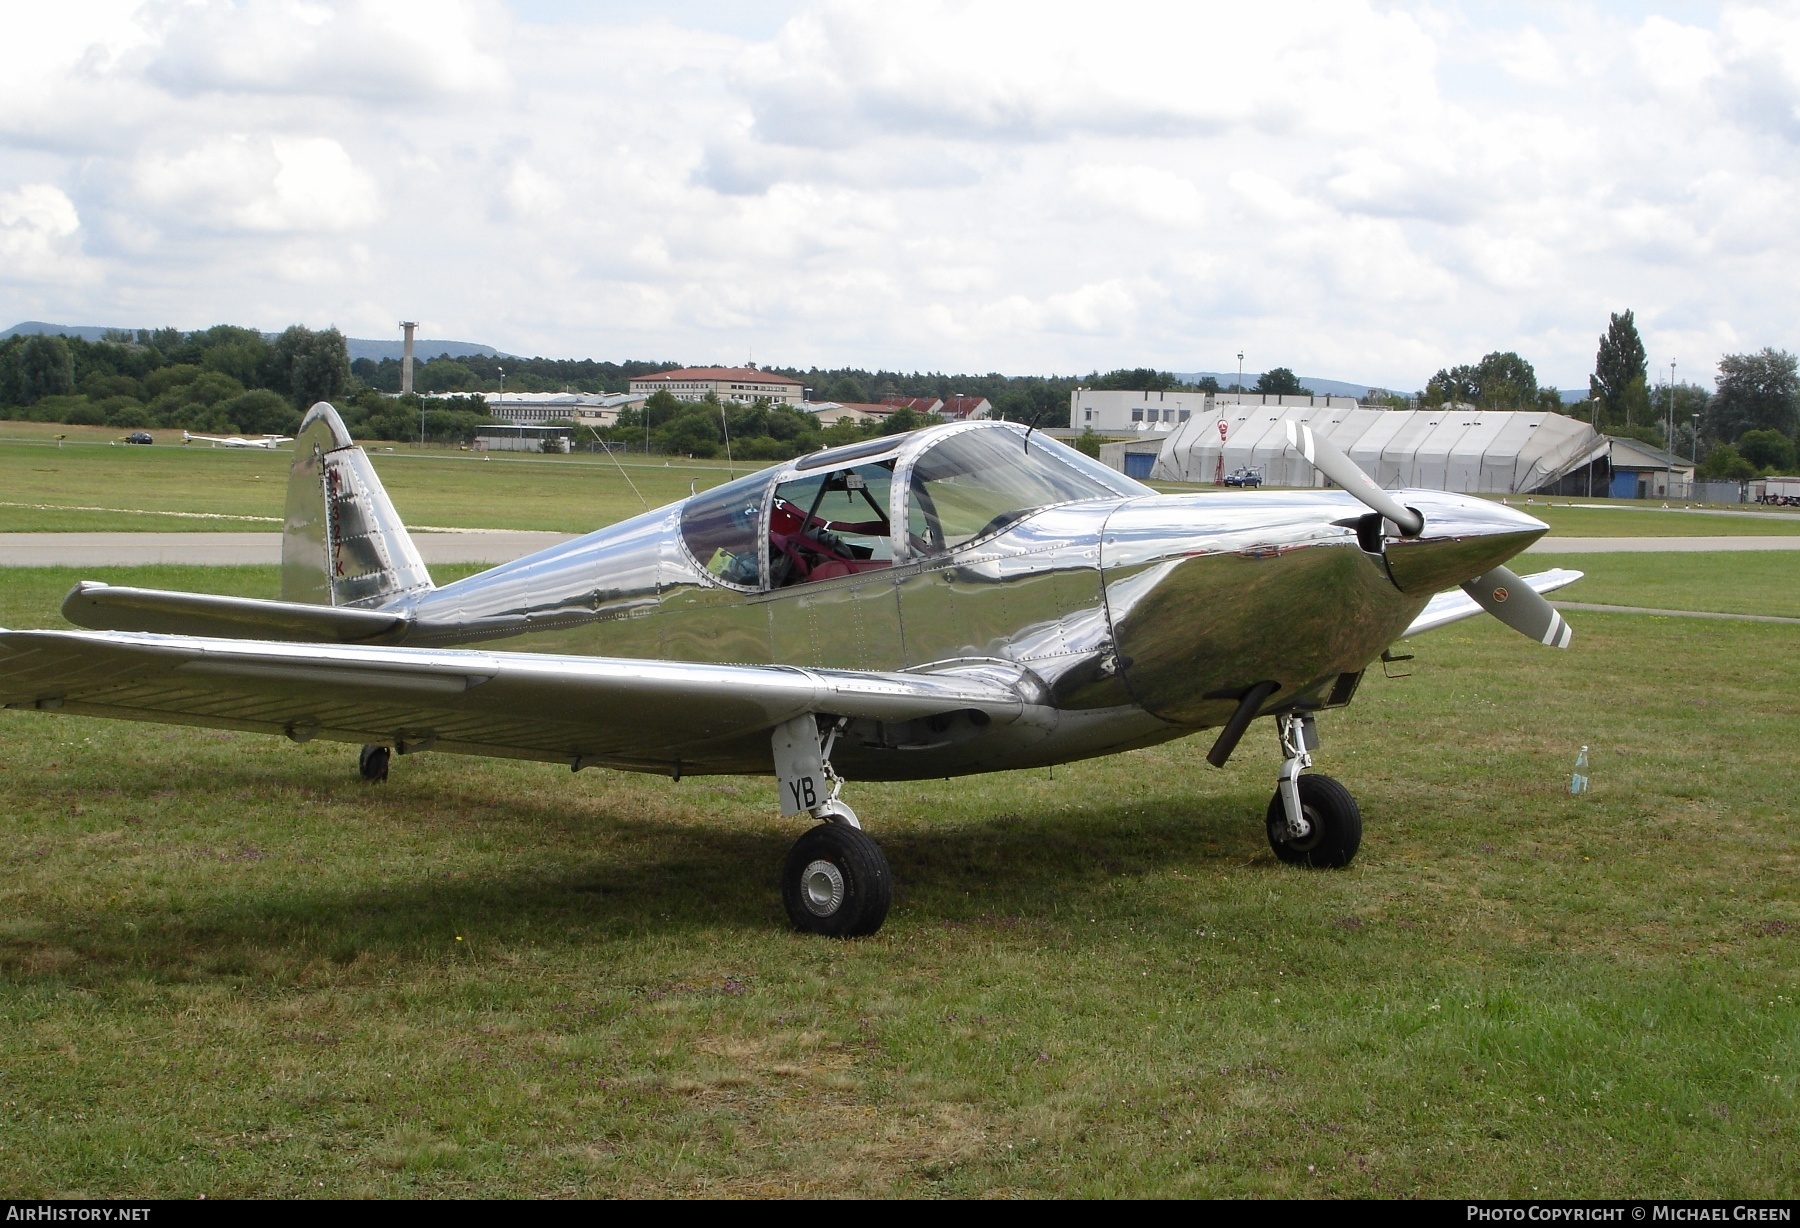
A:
835, 881
372, 763
1313, 820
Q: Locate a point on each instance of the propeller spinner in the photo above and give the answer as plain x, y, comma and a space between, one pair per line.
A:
1498, 590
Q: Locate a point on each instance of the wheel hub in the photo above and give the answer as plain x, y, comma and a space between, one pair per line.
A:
822, 888
1315, 830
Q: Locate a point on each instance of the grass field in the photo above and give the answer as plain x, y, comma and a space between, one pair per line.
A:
230, 968
94, 488
1726, 583
1635, 518
87, 485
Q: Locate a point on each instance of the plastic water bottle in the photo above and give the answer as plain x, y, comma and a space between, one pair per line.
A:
1578, 781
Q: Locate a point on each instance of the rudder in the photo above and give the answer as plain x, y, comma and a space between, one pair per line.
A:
342, 543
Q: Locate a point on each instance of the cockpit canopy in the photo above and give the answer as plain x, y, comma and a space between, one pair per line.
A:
834, 513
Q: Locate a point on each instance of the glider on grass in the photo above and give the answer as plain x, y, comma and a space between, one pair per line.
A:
239, 441
964, 598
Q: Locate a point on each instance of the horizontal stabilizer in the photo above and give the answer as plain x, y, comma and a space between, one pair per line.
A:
1456, 605
104, 607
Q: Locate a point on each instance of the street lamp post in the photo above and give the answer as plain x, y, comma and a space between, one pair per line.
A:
1240, 383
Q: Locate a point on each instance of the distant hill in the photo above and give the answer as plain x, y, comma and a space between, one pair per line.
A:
359, 347
1324, 387
1335, 387
87, 332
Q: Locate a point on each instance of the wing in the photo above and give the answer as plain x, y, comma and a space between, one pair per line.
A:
1456, 605
647, 715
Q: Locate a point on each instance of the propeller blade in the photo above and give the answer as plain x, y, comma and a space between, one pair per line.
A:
1324, 456
1508, 598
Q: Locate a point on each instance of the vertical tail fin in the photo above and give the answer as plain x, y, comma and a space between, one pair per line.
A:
343, 543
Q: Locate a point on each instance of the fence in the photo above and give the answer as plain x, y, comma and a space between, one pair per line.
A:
1718, 492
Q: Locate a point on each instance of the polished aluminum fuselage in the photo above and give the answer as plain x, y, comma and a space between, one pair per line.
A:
1128, 621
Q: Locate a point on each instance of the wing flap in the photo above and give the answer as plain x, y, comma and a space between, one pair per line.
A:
531, 705
1455, 605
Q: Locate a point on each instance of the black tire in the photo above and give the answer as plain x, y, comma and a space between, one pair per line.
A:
372, 763
1336, 825
836, 882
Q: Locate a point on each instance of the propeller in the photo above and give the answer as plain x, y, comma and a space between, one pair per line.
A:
1324, 456
1499, 590
1503, 594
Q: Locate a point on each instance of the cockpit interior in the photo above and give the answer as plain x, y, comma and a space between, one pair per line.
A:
834, 513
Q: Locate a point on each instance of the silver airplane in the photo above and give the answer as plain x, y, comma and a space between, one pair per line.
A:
964, 598
239, 441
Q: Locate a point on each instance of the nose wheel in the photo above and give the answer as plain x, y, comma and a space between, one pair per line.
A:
1313, 820
1333, 825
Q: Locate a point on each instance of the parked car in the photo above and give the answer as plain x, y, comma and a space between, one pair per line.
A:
1246, 476
140, 437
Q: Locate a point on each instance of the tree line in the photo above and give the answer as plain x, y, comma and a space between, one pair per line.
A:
221, 379
1743, 428
227, 378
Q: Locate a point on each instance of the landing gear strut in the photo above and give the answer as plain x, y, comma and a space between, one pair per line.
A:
835, 881
1313, 820
372, 763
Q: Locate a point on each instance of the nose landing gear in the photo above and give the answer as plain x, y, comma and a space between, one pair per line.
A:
1312, 820
836, 881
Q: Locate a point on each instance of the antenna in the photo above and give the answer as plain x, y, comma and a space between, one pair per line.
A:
1033, 426
622, 473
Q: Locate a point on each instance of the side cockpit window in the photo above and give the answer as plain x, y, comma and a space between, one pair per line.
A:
723, 530
831, 524
974, 484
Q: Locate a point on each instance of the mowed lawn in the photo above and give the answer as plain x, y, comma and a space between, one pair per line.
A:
88, 486
93, 485
230, 968
1646, 518
1725, 582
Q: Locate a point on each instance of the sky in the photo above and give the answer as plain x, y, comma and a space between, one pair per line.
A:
1362, 191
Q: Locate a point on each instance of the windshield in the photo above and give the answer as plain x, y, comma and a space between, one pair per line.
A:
975, 483
722, 529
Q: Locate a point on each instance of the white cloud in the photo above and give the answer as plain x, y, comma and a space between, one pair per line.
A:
38, 229
376, 49
1359, 189
260, 184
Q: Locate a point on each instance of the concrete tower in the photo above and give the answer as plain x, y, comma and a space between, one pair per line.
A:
406, 356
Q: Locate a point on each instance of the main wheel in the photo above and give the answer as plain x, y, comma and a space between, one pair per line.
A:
1336, 825
372, 763
836, 882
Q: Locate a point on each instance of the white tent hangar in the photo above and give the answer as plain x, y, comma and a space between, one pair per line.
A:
1451, 447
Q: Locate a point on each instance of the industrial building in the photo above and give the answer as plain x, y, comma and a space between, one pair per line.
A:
1451, 447
510, 438
1113, 412
830, 413
598, 409
744, 384
1643, 471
